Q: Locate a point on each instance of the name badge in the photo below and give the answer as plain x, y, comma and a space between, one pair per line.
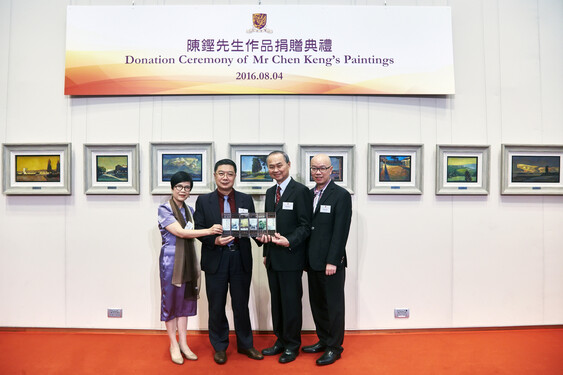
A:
325, 209
243, 210
189, 225
287, 206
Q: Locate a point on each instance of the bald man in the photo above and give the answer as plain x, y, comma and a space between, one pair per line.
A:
326, 258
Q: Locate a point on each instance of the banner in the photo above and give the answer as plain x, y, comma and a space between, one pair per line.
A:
257, 49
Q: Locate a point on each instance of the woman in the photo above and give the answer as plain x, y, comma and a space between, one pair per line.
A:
179, 268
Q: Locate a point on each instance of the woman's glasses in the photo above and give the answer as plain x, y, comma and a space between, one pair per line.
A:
182, 187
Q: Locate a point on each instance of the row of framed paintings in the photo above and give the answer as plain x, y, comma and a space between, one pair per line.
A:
35, 169
465, 169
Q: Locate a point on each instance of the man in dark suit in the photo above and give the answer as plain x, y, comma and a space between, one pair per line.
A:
284, 255
326, 258
226, 261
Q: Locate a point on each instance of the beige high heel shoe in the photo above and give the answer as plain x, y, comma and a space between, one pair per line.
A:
176, 355
189, 354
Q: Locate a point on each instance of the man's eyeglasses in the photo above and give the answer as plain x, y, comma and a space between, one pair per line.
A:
223, 174
322, 169
182, 187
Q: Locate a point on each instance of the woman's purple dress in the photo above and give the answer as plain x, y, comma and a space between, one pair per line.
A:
173, 304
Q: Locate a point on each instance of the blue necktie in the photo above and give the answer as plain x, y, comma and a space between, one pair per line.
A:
226, 205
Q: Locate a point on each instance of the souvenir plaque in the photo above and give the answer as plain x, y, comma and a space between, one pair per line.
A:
226, 222
248, 224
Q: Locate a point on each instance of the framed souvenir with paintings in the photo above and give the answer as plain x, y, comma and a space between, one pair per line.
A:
532, 170
111, 168
36, 169
462, 170
395, 169
193, 158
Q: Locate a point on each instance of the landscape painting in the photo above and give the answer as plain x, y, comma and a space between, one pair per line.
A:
462, 169
38, 168
337, 163
253, 168
112, 168
395, 168
534, 169
190, 163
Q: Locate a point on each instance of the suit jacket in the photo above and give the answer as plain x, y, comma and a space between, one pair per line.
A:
293, 222
207, 213
330, 227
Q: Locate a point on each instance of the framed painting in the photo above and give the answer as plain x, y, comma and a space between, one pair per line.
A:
168, 158
462, 170
341, 159
252, 169
395, 169
111, 168
36, 169
532, 170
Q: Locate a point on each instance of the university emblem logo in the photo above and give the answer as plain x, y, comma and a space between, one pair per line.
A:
259, 20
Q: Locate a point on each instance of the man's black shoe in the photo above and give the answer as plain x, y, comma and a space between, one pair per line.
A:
316, 348
276, 349
220, 357
288, 356
328, 358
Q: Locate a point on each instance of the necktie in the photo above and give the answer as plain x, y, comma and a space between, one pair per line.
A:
226, 205
278, 194
318, 194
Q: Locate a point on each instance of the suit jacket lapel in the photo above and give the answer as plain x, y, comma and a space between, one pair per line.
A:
237, 202
270, 197
326, 193
214, 205
285, 195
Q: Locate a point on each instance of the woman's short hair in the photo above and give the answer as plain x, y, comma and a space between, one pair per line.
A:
181, 177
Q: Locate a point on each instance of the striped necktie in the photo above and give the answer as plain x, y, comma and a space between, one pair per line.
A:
278, 194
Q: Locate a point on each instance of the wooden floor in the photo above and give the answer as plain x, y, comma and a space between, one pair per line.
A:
529, 350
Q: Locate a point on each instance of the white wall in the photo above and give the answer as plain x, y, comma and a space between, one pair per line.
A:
454, 261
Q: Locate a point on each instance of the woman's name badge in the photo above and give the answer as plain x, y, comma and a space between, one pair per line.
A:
189, 225
243, 210
287, 206
325, 209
